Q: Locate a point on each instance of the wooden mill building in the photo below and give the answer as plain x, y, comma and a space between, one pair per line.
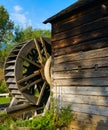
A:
80, 61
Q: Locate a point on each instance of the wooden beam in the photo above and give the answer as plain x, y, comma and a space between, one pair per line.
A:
95, 64
4, 95
44, 47
91, 54
81, 82
81, 90
83, 99
85, 46
31, 62
89, 109
77, 39
29, 77
41, 93
29, 85
88, 27
39, 51
20, 109
89, 73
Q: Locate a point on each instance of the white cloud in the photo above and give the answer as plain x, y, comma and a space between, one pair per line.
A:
17, 8
20, 17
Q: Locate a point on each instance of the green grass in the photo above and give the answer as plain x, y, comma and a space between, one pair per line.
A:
4, 100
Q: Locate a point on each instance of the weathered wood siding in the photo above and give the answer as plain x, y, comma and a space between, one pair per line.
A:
80, 62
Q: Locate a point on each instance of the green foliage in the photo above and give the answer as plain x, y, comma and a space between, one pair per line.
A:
28, 33
3, 114
6, 34
50, 121
18, 34
64, 117
22, 123
3, 88
4, 121
46, 122
3, 55
7, 122
4, 52
6, 25
6, 125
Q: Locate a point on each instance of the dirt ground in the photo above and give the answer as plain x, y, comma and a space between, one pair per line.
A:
1, 74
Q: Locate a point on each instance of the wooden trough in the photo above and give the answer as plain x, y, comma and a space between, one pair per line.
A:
80, 62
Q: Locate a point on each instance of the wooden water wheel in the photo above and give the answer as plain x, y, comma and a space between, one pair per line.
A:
24, 71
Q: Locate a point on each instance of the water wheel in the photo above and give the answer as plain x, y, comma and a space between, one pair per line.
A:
25, 74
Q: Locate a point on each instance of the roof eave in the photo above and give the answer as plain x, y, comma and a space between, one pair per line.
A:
74, 7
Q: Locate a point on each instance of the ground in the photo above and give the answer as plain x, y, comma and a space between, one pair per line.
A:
1, 74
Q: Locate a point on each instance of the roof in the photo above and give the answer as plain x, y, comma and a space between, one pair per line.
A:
72, 9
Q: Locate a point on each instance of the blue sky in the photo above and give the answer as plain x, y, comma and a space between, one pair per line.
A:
34, 12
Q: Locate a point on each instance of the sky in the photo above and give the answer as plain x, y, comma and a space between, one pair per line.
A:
34, 12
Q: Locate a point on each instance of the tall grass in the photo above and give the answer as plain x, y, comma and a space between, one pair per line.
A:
4, 100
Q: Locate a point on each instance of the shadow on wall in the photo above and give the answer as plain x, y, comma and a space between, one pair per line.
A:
102, 125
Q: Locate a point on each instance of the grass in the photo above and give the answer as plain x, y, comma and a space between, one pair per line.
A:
4, 100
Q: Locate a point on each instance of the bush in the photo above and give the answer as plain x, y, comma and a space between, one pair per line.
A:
7, 124
50, 121
3, 88
64, 117
46, 122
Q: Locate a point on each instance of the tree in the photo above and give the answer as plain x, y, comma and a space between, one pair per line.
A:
28, 33
6, 25
18, 34
6, 34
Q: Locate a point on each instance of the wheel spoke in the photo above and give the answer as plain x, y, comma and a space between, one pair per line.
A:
30, 61
39, 51
29, 85
29, 77
35, 82
48, 40
29, 56
41, 93
44, 47
26, 67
